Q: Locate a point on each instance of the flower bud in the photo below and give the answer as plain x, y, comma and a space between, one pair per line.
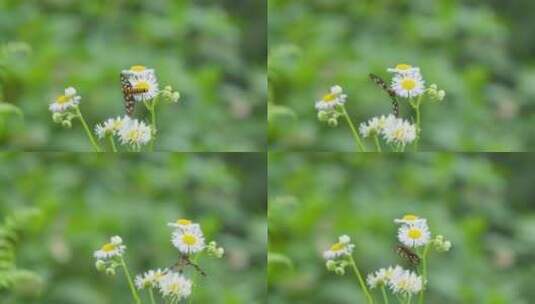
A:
330, 265
57, 117
333, 122
100, 265
110, 271
66, 123
340, 271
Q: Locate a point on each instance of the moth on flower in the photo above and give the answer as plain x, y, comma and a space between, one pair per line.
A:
138, 84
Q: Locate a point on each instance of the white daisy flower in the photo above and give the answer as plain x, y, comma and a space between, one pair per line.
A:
406, 282
341, 248
408, 85
375, 125
110, 126
414, 235
403, 68
334, 98
134, 132
112, 249
382, 276
409, 219
150, 278
145, 80
175, 286
188, 241
66, 101
399, 131
184, 224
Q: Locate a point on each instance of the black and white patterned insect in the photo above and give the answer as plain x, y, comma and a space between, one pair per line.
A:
381, 83
407, 254
128, 93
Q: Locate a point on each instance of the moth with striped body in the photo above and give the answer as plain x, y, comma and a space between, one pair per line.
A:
381, 83
128, 93
407, 254
184, 261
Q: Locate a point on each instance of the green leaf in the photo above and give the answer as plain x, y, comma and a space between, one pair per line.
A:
276, 112
7, 108
277, 258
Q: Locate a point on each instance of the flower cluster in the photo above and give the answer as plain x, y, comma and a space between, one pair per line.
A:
129, 131
413, 234
110, 255
399, 280
406, 87
330, 106
139, 85
172, 282
393, 130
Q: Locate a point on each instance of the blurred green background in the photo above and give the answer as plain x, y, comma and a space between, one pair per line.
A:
482, 202
85, 199
480, 52
213, 52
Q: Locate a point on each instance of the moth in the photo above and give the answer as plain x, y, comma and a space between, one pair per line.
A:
128, 94
381, 83
407, 254
183, 262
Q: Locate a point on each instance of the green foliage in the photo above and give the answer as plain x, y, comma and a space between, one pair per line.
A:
471, 49
212, 52
12, 277
482, 203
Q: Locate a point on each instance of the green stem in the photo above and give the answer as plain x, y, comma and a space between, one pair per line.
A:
151, 106
385, 297
424, 274
151, 294
130, 282
418, 130
409, 299
377, 144
112, 143
89, 134
361, 281
353, 130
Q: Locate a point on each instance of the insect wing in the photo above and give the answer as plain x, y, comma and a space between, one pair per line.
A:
382, 84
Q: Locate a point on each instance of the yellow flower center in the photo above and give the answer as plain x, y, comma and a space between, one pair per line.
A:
398, 134
408, 84
403, 67
189, 239
142, 85
415, 234
410, 217
337, 247
108, 247
329, 97
137, 68
184, 222
134, 135
62, 99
